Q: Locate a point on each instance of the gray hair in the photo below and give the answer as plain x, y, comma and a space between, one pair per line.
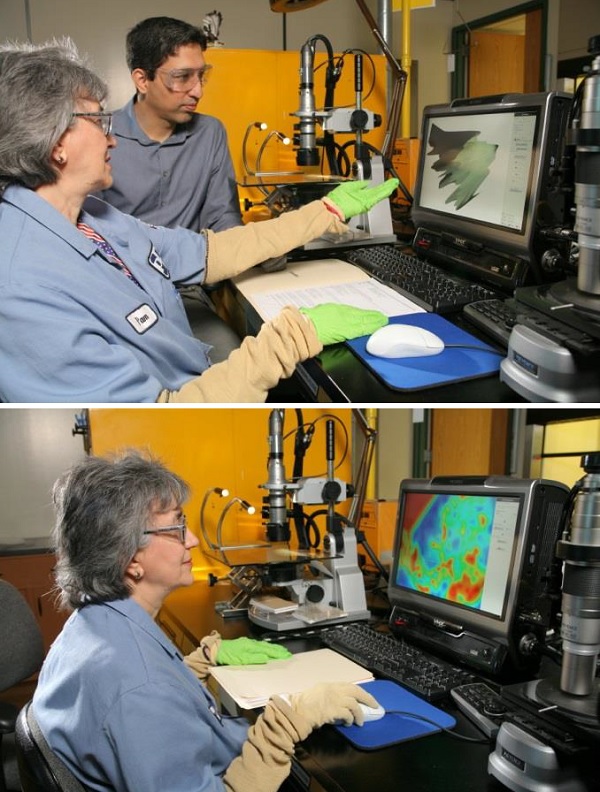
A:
39, 90
103, 505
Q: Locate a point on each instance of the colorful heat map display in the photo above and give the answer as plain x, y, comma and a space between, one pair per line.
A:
445, 546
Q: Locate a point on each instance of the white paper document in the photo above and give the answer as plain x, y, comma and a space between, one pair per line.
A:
309, 283
252, 686
367, 294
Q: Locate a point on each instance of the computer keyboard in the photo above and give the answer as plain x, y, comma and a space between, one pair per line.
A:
392, 658
423, 283
498, 317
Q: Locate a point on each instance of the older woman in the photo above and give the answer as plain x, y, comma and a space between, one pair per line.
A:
89, 311
115, 699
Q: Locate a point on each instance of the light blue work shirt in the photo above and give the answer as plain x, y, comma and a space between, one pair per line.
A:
73, 327
116, 702
186, 180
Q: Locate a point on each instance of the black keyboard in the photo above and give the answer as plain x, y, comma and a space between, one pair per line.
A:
498, 317
389, 657
425, 284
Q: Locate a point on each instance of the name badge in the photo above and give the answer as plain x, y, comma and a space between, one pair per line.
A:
142, 318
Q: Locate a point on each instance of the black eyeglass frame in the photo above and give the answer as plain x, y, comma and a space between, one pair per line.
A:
104, 120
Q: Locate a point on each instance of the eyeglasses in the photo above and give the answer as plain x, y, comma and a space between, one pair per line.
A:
102, 120
182, 80
177, 532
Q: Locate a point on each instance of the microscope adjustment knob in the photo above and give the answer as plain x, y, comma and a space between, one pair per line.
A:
314, 594
331, 491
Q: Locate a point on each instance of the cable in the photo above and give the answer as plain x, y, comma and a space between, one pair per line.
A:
475, 347
301, 444
360, 537
313, 537
456, 735
313, 424
387, 164
552, 652
340, 63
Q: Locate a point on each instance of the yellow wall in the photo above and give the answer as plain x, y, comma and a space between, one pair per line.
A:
262, 85
564, 437
218, 447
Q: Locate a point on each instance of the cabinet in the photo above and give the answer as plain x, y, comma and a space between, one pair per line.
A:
32, 575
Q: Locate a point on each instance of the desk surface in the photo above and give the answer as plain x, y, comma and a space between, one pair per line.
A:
436, 763
337, 375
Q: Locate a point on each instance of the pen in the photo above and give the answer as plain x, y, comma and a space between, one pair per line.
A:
287, 636
216, 713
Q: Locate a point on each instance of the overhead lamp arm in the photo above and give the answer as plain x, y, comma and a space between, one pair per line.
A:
389, 56
399, 84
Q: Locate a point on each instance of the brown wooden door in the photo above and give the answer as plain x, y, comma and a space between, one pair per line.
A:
505, 62
469, 442
496, 63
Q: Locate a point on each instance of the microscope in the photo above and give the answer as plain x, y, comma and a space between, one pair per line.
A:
372, 226
555, 722
576, 695
559, 366
321, 581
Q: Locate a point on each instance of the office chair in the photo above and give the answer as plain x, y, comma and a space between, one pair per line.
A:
40, 769
21, 655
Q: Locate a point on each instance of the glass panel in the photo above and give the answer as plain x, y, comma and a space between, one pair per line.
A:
564, 469
572, 436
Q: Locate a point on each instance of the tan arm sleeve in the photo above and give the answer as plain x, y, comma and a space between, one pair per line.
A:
257, 365
202, 659
267, 753
237, 249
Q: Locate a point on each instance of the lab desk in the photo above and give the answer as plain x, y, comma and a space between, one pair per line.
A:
337, 375
326, 761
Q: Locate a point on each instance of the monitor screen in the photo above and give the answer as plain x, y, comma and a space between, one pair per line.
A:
458, 549
487, 181
474, 568
479, 166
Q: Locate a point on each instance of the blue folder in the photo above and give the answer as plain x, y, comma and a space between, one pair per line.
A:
451, 365
393, 727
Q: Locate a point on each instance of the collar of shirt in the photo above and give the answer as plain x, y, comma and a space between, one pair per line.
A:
131, 610
29, 202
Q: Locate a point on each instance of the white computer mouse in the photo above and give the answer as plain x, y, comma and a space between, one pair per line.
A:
372, 713
403, 341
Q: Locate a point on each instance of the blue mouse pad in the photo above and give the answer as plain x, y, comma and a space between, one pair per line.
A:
393, 727
451, 365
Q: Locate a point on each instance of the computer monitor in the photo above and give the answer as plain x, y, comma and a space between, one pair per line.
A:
474, 573
486, 185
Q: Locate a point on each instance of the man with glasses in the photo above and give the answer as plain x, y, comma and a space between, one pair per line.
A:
171, 166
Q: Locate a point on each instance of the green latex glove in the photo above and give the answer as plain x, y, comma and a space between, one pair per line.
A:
355, 197
247, 651
335, 323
